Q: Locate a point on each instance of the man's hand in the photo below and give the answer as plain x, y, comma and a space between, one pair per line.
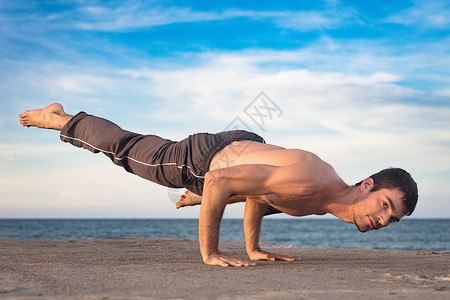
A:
254, 212
220, 259
259, 254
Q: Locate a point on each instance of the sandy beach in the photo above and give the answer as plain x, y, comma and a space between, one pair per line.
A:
167, 268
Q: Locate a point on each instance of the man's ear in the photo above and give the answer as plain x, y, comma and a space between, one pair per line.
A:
367, 185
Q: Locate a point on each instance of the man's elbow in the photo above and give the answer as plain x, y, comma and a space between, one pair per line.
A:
214, 180
210, 178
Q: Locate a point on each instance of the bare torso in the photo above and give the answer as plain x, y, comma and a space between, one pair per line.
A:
307, 198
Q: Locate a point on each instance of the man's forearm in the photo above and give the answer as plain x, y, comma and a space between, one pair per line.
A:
253, 215
213, 204
218, 187
209, 225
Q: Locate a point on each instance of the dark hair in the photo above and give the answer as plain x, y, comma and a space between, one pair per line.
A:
397, 178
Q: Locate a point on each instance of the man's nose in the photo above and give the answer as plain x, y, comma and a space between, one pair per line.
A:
383, 219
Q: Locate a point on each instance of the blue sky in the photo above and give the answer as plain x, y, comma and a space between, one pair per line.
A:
363, 84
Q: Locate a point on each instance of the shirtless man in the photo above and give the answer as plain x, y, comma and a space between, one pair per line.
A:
292, 181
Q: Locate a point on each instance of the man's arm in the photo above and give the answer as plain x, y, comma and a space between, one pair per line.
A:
253, 215
219, 186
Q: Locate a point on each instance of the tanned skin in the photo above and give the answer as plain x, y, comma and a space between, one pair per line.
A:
294, 181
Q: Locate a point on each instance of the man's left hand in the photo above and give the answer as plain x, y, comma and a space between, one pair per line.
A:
259, 254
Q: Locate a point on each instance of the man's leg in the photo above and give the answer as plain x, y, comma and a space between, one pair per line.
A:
148, 156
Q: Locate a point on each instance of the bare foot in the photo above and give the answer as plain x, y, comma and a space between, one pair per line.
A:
50, 117
189, 199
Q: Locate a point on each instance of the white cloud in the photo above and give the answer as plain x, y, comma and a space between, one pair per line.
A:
136, 16
84, 83
12, 152
428, 13
132, 15
443, 93
316, 20
73, 83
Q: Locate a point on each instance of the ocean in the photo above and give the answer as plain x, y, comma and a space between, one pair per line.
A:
409, 234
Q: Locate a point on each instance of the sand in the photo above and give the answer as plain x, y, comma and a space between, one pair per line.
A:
167, 268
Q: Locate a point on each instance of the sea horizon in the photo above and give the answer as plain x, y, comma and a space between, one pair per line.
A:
415, 234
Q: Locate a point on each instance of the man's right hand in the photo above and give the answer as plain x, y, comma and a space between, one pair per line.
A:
220, 259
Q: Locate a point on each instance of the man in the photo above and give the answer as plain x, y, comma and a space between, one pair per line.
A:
267, 177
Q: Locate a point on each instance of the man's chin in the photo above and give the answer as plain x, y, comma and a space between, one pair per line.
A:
362, 229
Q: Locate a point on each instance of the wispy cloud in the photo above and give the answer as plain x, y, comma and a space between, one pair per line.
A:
425, 13
139, 16
135, 15
317, 20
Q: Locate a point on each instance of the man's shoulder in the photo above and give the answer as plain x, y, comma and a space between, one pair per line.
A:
299, 156
309, 167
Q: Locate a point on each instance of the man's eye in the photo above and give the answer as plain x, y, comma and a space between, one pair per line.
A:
385, 205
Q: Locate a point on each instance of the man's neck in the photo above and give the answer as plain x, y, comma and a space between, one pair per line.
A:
341, 203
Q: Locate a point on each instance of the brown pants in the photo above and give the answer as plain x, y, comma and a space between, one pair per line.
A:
180, 164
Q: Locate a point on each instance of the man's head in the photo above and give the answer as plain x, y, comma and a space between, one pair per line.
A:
392, 178
390, 195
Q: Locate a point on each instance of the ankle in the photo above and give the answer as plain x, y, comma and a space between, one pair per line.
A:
62, 120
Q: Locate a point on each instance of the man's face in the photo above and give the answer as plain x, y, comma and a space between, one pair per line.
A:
378, 209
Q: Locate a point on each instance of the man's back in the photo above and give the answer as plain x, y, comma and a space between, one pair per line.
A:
249, 152
304, 179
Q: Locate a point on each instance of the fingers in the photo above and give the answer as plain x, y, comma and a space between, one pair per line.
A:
237, 262
282, 257
286, 258
220, 259
216, 262
226, 260
263, 255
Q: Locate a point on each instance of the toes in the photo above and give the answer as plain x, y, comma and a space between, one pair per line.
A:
179, 204
23, 119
